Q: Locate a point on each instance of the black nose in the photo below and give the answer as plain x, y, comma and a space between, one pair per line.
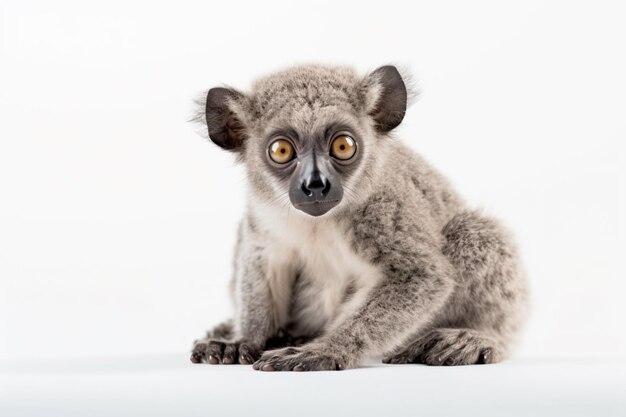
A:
317, 186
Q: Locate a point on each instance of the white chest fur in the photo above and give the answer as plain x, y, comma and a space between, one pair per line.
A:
332, 278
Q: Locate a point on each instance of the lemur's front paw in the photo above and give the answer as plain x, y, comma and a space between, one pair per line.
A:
311, 357
215, 352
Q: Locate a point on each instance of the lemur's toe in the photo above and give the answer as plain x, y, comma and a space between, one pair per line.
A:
196, 357
231, 354
248, 354
215, 351
198, 353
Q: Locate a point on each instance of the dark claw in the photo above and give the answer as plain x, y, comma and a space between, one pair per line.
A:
484, 356
268, 368
228, 360
449, 362
213, 360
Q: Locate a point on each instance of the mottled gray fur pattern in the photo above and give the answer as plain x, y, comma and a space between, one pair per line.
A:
400, 268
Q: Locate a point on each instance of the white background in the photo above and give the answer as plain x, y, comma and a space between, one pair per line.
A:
117, 220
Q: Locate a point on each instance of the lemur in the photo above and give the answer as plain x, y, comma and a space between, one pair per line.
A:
352, 246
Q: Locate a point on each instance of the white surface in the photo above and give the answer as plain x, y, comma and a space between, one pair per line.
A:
117, 220
170, 386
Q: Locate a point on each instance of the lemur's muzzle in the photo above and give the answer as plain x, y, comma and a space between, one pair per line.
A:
315, 188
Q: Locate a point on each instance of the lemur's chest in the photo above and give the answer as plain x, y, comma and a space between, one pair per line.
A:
315, 274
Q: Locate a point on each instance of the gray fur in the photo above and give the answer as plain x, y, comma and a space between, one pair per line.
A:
400, 268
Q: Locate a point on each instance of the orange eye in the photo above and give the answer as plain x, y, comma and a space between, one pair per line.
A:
281, 151
343, 147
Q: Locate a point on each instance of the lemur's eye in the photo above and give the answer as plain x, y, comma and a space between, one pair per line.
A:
281, 151
343, 147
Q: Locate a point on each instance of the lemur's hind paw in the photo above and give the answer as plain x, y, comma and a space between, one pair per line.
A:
449, 347
227, 353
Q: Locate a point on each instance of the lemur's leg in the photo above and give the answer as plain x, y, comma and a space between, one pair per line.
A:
418, 279
254, 324
483, 315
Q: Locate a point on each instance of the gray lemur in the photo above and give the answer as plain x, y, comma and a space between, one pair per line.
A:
352, 245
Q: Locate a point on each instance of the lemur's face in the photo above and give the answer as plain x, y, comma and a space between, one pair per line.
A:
314, 158
313, 167
305, 134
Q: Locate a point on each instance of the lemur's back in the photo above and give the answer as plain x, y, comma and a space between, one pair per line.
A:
414, 181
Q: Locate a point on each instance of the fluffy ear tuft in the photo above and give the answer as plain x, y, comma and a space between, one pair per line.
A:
391, 97
225, 128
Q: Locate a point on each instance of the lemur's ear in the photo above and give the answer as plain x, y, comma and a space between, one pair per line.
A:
389, 103
225, 128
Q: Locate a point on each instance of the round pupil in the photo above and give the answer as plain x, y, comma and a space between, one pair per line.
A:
343, 147
281, 151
